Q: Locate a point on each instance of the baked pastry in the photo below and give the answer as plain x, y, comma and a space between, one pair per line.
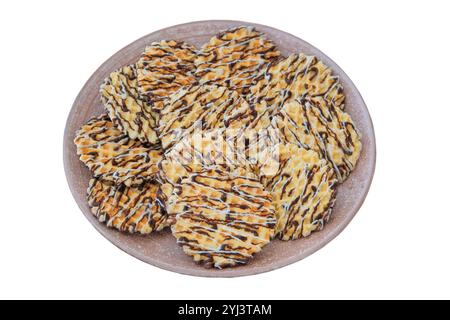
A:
222, 218
127, 110
303, 187
113, 156
163, 68
234, 58
128, 209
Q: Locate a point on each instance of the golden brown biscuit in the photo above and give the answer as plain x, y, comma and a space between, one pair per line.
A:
170, 175
128, 209
234, 58
113, 156
296, 76
222, 218
315, 125
163, 68
202, 109
303, 188
187, 158
126, 109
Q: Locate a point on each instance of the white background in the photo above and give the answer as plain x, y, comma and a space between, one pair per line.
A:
396, 52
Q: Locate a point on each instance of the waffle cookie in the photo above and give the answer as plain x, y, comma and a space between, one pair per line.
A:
130, 113
163, 68
128, 209
296, 76
303, 189
315, 125
234, 58
202, 109
113, 156
222, 218
170, 175
187, 158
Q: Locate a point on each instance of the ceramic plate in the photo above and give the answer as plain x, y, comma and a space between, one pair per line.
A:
160, 249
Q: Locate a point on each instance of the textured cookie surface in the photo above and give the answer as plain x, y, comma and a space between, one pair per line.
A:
202, 108
222, 219
316, 125
113, 156
296, 76
303, 189
234, 58
128, 209
125, 107
170, 175
163, 68
180, 164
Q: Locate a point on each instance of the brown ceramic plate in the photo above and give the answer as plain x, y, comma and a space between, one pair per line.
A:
160, 249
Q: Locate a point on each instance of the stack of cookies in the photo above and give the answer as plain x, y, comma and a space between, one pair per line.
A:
176, 145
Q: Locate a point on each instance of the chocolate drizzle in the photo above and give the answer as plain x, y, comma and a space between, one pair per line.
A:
234, 58
314, 124
128, 209
222, 219
303, 190
113, 156
128, 111
206, 107
299, 75
163, 68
